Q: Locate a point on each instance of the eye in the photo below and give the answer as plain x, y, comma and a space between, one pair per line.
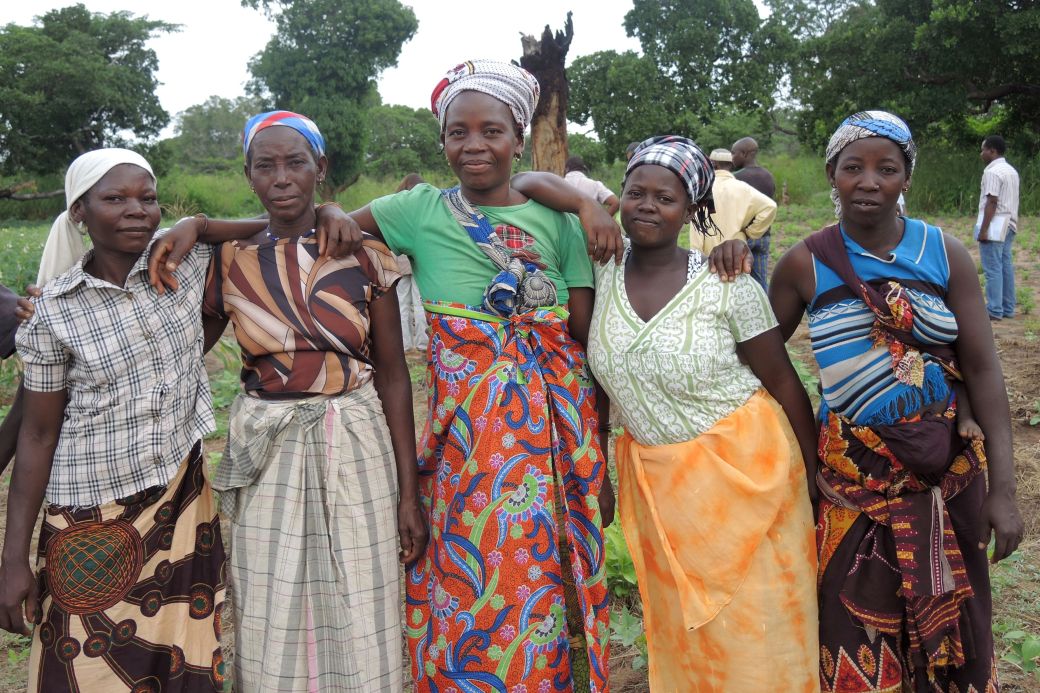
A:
635, 194
492, 131
457, 132
113, 198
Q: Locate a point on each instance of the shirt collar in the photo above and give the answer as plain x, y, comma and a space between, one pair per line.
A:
722, 173
76, 275
995, 162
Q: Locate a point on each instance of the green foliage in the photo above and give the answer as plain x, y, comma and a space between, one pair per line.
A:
218, 195
21, 246
626, 629
591, 151
1034, 418
621, 572
1023, 651
73, 82
1024, 299
209, 134
322, 62
403, 140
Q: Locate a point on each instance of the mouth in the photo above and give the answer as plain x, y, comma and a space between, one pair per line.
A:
866, 204
283, 201
476, 166
645, 222
138, 230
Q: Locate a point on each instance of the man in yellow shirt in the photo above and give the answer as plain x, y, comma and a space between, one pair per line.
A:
740, 210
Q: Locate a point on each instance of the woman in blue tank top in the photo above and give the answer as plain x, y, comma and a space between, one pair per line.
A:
896, 317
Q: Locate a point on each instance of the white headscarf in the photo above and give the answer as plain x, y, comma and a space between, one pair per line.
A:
65, 241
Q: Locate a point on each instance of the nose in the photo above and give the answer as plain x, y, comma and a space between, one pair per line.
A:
474, 142
281, 175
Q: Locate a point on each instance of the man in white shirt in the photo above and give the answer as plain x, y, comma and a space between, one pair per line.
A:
998, 221
740, 210
575, 173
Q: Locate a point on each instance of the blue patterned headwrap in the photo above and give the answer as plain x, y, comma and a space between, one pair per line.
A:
300, 123
873, 124
682, 157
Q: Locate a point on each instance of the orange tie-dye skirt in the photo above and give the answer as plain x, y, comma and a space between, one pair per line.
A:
721, 533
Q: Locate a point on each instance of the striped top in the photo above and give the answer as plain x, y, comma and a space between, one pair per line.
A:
856, 374
301, 320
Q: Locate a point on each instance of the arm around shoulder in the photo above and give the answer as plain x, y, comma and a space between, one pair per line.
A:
791, 287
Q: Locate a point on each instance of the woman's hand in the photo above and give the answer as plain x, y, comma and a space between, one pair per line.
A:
24, 308
17, 596
1001, 519
603, 233
606, 501
730, 259
411, 527
168, 252
338, 234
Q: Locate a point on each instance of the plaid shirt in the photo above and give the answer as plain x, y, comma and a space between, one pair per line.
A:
131, 361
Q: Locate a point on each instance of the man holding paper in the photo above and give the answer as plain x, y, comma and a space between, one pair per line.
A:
995, 227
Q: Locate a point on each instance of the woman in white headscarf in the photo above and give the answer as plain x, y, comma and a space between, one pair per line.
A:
130, 580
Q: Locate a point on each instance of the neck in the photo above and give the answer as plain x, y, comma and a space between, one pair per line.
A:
654, 260
878, 240
113, 268
750, 162
297, 227
499, 196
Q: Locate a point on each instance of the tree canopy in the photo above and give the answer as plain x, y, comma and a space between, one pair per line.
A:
72, 82
403, 140
322, 62
209, 134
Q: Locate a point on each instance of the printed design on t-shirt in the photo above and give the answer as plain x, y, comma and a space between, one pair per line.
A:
520, 243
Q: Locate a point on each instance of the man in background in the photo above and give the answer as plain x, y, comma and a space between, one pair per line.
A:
745, 159
576, 173
740, 210
996, 226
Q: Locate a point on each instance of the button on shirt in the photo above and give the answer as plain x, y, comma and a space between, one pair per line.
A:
131, 361
1000, 179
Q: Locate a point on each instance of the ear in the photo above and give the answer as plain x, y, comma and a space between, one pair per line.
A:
518, 150
691, 212
76, 211
323, 168
830, 173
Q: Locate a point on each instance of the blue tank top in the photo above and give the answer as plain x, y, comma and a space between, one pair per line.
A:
856, 373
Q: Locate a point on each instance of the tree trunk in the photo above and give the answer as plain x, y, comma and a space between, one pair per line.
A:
544, 59
14, 192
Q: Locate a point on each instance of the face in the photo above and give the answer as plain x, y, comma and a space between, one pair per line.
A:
654, 206
869, 175
739, 156
121, 211
480, 141
283, 172
986, 154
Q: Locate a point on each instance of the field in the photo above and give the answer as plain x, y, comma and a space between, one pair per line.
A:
1016, 581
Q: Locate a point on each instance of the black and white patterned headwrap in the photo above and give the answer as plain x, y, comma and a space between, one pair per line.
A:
866, 124
512, 85
682, 157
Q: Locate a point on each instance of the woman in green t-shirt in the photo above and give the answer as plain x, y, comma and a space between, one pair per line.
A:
511, 461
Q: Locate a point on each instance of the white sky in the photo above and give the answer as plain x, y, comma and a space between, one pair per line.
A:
218, 37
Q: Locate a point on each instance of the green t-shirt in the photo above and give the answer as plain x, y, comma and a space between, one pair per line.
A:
448, 265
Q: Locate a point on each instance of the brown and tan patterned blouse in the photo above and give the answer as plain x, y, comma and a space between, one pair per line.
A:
301, 320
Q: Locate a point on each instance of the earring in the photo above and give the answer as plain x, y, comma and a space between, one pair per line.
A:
517, 156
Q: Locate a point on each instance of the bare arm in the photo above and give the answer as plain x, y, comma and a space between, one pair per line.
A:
395, 392
768, 360
37, 440
9, 429
580, 305
988, 211
984, 380
602, 232
791, 288
612, 204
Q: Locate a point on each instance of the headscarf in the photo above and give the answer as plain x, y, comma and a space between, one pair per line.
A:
682, 157
65, 242
300, 123
866, 124
512, 85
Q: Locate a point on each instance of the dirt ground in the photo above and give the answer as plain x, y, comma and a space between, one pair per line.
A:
1016, 584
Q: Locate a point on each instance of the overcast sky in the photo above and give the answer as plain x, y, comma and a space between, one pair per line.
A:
209, 55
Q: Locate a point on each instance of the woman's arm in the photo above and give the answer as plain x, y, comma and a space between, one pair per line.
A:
395, 392
791, 288
602, 232
37, 440
768, 360
580, 306
984, 380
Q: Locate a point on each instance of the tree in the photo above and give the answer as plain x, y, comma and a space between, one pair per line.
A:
322, 62
544, 58
209, 134
403, 140
626, 99
72, 82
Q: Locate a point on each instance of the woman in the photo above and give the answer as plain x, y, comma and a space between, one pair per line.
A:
131, 563
308, 479
512, 441
895, 310
713, 491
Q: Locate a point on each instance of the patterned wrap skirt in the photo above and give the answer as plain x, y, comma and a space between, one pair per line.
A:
132, 592
310, 489
721, 534
511, 435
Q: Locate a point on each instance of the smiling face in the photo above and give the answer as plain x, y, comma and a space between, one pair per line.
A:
284, 172
654, 206
869, 175
480, 140
121, 211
